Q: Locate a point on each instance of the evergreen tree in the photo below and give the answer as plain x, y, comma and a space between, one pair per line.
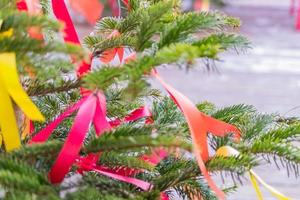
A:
159, 34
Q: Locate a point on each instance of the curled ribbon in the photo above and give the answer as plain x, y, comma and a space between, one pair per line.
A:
91, 108
199, 125
11, 88
226, 151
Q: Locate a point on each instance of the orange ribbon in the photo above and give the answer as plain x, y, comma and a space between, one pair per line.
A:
199, 125
108, 55
91, 10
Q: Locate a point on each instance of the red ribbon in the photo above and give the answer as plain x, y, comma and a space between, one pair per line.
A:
91, 108
74, 140
89, 164
45, 133
60, 11
91, 10
22, 6
199, 125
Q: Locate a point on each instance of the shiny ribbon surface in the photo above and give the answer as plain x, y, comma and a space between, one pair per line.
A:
199, 125
254, 178
11, 88
91, 9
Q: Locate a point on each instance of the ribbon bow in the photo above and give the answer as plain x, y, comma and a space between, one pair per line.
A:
91, 109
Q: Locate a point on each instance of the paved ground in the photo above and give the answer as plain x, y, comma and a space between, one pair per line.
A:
268, 76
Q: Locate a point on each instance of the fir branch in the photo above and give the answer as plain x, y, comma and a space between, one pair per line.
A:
234, 164
194, 189
37, 88
117, 161
109, 142
189, 23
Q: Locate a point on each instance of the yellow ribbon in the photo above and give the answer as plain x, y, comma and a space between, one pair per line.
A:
8, 33
11, 88
254, 178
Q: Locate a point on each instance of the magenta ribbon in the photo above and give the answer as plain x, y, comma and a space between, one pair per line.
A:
74, 140
122, 174
90, 109
45, 133
99, 119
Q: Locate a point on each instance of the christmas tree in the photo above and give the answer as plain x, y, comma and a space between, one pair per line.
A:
142, 145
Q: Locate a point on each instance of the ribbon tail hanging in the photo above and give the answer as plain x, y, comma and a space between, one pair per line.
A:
10, 80
45, 133
74, 140
198, 131
226, 151
8, 124
139, 183
254, 178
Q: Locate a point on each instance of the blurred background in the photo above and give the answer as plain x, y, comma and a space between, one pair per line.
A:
266, 76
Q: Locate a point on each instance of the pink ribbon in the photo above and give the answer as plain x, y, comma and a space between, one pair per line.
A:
89, 164
90, 109
142, 112
74, 140
45, 133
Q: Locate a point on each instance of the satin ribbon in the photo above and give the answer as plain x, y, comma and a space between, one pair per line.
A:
202, 5
108, 55
91, 10
61, 13
226, 151
22, 6
89, 163
142, 112
126, 2
155, 157
199, 125
74, 140
90, 109
70, 35
11, 88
